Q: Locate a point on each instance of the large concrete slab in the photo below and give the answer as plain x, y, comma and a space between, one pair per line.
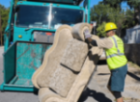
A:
93, 93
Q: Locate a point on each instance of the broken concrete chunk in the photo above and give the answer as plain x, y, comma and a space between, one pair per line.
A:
62, 80
78, 30
41, 77
74, 55
66, 68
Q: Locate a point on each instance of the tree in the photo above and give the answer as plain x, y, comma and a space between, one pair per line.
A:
101, 30
118, 17
113, 3
105, 13
135, 4
129, 19
128, 22
4, 17
99, 13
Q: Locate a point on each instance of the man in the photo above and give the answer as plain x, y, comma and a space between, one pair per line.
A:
116, 60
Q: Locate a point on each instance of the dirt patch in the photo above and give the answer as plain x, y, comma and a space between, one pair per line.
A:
132, 83
131, 100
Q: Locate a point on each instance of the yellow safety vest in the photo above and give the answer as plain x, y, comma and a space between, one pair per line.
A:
115, 55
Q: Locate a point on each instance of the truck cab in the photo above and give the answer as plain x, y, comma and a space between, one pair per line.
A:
30, 20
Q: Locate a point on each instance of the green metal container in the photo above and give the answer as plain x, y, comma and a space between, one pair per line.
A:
21, 60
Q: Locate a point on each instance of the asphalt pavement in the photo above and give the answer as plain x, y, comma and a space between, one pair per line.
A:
93, 93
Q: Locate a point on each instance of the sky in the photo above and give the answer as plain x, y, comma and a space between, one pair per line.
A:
6, 3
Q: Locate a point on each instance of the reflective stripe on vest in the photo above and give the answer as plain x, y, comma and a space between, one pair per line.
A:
116, 45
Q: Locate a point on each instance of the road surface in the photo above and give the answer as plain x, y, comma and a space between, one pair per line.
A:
96, 90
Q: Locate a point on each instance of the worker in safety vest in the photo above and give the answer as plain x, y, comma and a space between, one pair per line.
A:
116, 60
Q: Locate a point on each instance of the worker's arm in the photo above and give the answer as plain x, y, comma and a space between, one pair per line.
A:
92, 41
105, 43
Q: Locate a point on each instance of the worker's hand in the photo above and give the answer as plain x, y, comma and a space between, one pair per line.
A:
87, 34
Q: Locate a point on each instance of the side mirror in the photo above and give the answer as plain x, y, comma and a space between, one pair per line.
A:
16, 9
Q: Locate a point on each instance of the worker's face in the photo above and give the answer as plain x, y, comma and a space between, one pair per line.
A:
109, 33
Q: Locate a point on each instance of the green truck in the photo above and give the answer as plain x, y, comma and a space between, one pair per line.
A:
30, 32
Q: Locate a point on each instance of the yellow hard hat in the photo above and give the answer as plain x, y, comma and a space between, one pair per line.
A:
110, 26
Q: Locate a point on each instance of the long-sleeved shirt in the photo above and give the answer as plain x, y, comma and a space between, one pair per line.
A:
105, 43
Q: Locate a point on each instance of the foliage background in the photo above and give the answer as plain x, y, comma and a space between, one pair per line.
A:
111, 11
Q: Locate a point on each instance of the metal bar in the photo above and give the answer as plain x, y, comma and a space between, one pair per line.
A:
5, 87
88, 11
21, 86
14, 80
23, 89
11, 11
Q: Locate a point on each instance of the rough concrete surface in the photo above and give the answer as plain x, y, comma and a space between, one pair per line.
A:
31, 97
95, 92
